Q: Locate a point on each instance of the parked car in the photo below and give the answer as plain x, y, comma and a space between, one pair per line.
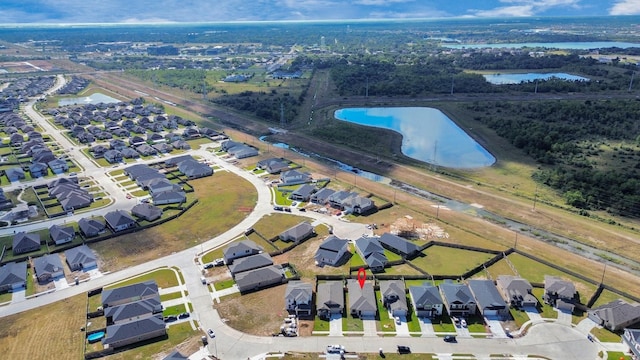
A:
450, 338
204, 340
335, 349
398, 320
208, 266
184, 315
218, 262
404, 349
463, 323
171, 318
211, 333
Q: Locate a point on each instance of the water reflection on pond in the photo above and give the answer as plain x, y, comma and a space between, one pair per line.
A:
428, 135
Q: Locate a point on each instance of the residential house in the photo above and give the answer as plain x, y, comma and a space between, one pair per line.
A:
146, 150
294, 177
251, 262
181, 145
24, 243
129, 293
169, 197
329, 299
616, 315
129, 153
13, 276
516, 291
147, 212
321, 197
426, 301
61, 234
297, 233
631, 338
243, 151
362, 300
91, 227
38, 169
372, 253
193, 169
559, 293
358, 205
458, 299
399, 245
303, 193
240, 249
394, 297
113, 156
58, 166
162, 148
488, 299
273, 165
14, 174
119, 220
331, 251
298, 298
134, 311
259, 278
160, 185
48, 267
134, 331
174, 161
80, 258
337, 199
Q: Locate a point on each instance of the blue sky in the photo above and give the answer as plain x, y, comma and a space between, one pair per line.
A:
133, 11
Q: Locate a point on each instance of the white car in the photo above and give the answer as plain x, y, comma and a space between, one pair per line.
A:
335, 349
463, 323
211, 333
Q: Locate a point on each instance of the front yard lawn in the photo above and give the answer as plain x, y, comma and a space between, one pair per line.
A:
164, 277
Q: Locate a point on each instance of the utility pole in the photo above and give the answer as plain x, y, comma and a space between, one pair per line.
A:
535, 197
603, 271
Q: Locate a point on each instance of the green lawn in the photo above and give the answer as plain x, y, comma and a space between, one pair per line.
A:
350, 323
225, 284
174, 310
444, 260
605, 335
164, 277
171, 296
5, 297
519, 317
443, 324
499, 268
212, 255
612, 355
535, 272
384, 323
547, 311
320, 325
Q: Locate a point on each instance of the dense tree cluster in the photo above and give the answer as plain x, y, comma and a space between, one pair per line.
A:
264, 105
564, 135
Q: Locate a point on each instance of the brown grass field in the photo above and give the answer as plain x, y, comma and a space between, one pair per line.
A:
52, 331
219, 196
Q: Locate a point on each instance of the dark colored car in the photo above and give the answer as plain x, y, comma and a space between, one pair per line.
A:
450, 338
170, 318
208, 266
184, 315
404, 349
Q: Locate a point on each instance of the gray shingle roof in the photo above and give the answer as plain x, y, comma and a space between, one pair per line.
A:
134, 309
330, 295
47, 264
250, 263
13, 273
133, 329
131, 292
361, 299
398, 244
486, 294
79, 256
425, 296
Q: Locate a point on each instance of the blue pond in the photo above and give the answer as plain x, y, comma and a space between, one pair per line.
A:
428, 135
501, 79
93, 99
95, 337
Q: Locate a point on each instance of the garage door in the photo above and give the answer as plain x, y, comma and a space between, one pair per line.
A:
490, 312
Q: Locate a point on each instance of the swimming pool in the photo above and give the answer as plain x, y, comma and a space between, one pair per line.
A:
95, 337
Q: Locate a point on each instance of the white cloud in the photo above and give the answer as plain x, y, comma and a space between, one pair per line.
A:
520, 8
625, 7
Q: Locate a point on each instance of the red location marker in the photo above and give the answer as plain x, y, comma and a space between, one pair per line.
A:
362, 277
